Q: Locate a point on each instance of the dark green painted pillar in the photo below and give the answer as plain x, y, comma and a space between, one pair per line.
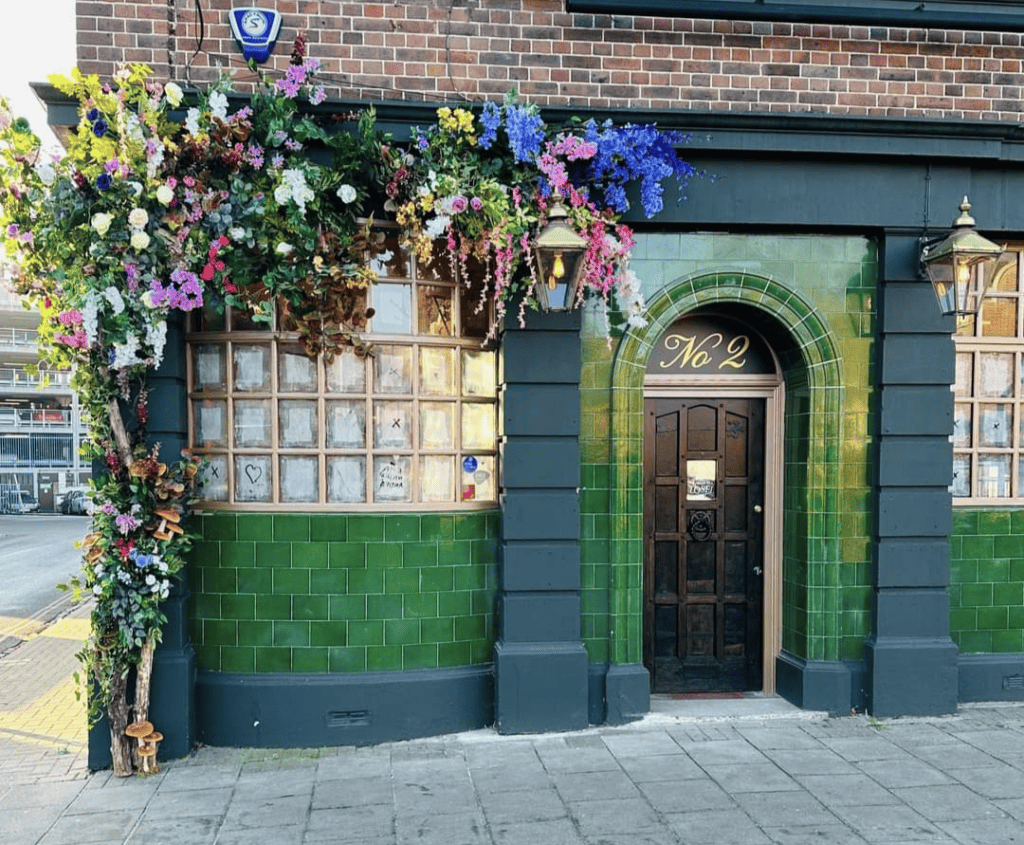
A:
541, 681
172, 692
911, 662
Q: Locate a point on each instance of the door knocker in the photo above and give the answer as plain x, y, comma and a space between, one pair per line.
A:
700, 525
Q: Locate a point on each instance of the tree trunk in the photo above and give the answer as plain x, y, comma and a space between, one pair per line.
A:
121, 753
143, 677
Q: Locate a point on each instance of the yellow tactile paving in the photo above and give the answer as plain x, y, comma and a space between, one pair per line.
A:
57, 716
15, 626
68, 629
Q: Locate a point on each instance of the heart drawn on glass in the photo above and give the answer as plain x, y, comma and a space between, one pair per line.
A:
254, 472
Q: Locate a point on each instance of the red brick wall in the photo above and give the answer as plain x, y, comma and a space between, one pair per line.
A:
475, 49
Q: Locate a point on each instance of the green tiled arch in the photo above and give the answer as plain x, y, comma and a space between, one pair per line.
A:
822, 365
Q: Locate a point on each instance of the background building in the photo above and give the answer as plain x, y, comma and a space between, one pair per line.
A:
40, 429
785, 528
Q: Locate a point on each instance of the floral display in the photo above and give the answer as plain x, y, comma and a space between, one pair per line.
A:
168, 203
481, 186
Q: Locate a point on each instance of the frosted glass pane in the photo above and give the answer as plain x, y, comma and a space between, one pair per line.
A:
478, 373
210, 371
213, 479
477, 426
999, 317
347, 373
993, 476
964, 374
391, 479
298, 424
392, 305
346, 424
962, 476
995, 425
252, 422
392, 425
252, 478
251, 367
962, 426
996, 373
346, 479
437, 371
434, 311
478, 481
437, 478
211, 423
300, 479
437, 425
296, 373
392, 369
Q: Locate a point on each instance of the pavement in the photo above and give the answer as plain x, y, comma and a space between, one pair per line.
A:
730, 771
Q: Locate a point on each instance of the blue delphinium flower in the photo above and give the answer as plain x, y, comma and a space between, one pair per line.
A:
525, 131
491, 119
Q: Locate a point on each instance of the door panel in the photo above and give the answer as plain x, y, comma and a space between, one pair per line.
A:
703, 492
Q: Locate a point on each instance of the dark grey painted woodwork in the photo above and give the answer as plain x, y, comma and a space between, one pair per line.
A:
627, 693
914, 512
909, 659
542, 681
930, 617
903, 311
991, 677
541, 514
267, 710
916, 562
560, 364
916, 410
917, 358
911, 676
541, 410
914, 460
551, 565
815, 684
539, 616
540, 462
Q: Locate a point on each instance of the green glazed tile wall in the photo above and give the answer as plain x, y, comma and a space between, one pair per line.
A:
343, 592
986, 584
829, 425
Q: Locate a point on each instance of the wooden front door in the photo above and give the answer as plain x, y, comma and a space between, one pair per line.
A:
703, 538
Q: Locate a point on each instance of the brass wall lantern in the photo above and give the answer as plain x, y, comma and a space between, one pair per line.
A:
960, 266
559, 252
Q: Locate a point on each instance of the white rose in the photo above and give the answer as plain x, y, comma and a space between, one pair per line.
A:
173, 93
101, 223
140, 240
164, 195
138, 218
284, 249
346, 193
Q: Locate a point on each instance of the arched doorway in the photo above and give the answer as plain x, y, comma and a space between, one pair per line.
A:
713, 404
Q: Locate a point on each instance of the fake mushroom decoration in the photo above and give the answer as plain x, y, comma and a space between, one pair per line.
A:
149, 761
168, 525
139, 731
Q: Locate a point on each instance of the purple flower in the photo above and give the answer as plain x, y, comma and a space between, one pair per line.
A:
476, 203
459, 204
125, 523
12, 230
288, 87
103, 182
318, 96
422, 142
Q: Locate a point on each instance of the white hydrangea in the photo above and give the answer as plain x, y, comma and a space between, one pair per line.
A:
297, 189
126, 354
219, 105
632, 298
437, 226
90, 316
156, 339
113, 296
192, 121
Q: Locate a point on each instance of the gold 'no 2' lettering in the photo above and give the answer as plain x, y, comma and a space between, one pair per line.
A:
694, 354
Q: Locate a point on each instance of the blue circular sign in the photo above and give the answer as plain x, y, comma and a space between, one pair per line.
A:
469, 463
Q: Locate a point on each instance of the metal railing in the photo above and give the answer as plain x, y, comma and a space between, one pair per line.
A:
16, 377
20, 338
17, 419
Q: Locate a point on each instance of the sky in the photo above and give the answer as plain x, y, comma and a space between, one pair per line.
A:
37, 38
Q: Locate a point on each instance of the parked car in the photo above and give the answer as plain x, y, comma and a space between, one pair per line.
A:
75, 502
18, 501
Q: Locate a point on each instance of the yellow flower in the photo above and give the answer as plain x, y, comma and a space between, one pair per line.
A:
427, 202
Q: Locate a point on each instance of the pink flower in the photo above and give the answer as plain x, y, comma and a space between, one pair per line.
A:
459, 204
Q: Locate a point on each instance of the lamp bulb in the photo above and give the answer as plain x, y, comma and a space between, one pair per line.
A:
558, 266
